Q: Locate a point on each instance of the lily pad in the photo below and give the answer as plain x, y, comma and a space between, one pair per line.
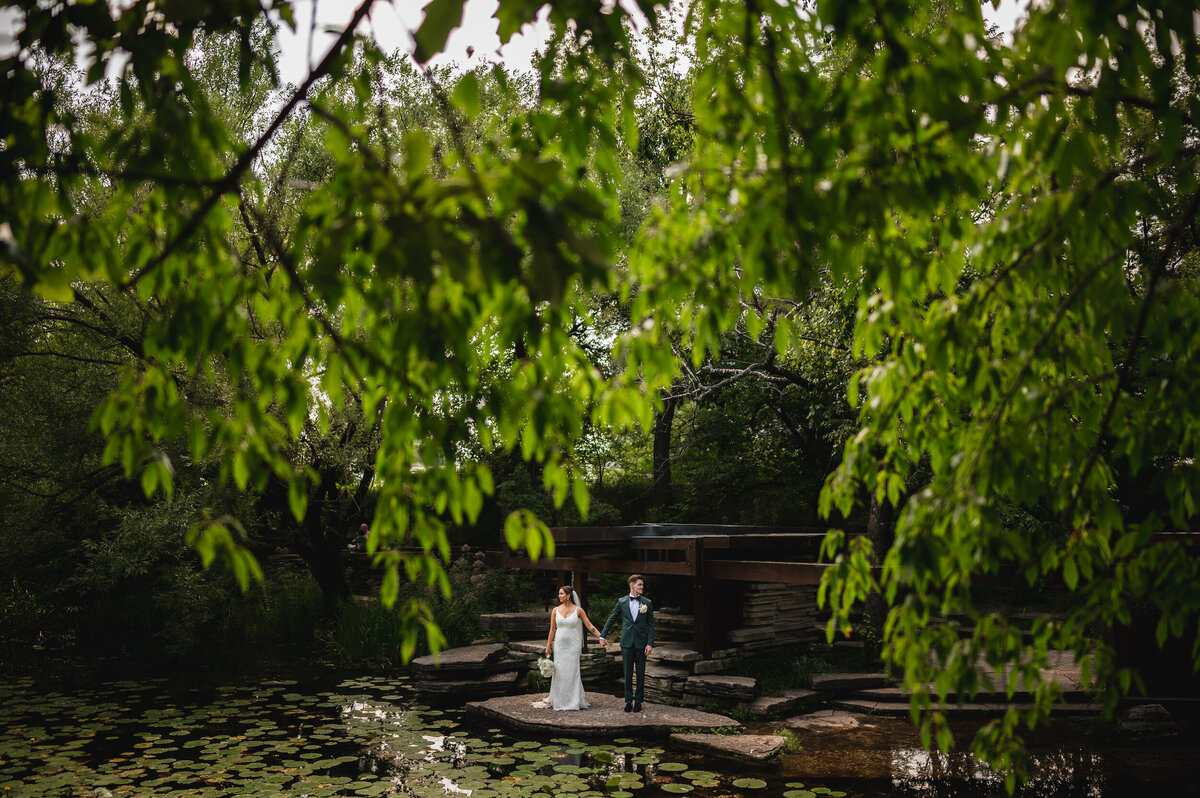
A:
749, 784
672, 767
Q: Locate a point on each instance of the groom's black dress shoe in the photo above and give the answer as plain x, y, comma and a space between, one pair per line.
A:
637, 707
629, 707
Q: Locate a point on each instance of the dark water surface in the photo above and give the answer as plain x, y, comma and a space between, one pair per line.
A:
370, 736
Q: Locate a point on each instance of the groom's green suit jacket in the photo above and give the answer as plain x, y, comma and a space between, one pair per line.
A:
638, 633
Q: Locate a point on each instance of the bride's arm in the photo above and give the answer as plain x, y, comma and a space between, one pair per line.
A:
553, 624
588, 624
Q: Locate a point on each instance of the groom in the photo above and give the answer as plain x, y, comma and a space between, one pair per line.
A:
637, 638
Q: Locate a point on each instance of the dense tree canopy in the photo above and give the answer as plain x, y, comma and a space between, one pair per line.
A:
1009, 217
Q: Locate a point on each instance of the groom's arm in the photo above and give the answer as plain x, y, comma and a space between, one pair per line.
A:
649, 624
612, 618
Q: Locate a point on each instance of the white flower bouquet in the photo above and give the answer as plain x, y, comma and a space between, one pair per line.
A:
545, 666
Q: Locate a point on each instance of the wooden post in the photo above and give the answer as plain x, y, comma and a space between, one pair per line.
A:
702, 616
579, 580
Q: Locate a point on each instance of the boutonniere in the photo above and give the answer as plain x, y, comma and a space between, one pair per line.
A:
641, 608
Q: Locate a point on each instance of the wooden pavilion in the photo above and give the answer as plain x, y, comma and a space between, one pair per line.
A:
704, 564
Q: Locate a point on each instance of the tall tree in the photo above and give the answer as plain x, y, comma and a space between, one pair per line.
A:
1012, 219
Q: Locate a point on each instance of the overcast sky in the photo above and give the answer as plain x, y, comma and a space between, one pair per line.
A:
390, 24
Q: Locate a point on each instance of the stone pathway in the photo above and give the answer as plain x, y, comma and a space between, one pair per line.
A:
605, 718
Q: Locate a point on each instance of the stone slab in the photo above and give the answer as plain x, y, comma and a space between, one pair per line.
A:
604, 718
728, 686
757, 749
461, 659
848, 681
826, 720
983, 708
674, 654
660, 671
514, 621
489, 684
709, 666
775, 705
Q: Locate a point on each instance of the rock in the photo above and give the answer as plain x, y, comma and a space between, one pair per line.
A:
674, 654
491, 684
848, 681
1148, 720
460, 659
774, 706
517, 624
605, 718
826, 720
740, 687
709, 666
751, 634
754, 748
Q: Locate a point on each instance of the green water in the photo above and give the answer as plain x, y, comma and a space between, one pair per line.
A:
371, 736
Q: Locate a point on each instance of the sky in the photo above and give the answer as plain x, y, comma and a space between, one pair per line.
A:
390, 24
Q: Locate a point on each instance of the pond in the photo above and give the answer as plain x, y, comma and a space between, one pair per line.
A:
370, 736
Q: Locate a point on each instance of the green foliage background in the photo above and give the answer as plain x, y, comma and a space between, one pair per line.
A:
451, 302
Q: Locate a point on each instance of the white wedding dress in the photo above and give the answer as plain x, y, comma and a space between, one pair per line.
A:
566, 686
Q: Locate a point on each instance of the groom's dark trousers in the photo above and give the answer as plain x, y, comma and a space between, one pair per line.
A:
635, 636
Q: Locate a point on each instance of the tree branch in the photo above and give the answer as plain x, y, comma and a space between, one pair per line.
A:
232, 178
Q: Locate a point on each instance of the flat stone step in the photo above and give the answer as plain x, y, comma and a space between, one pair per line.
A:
487, 685
825, 720
757, 749
604, 718
465, 658
985, 708
985, 697
777, 705
674, 654
741, 687
830, 682
515, 622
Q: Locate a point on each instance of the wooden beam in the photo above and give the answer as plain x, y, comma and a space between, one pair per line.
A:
790, 573
597, 565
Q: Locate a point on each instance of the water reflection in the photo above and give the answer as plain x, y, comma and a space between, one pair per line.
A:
917, 772
370, 737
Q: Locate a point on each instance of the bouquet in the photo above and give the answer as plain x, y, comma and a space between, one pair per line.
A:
545, 667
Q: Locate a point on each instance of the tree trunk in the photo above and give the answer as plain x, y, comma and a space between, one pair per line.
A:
663, 423
881, 533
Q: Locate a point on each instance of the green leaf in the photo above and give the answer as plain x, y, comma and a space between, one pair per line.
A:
441, 17
150, 479
1070, 572
298, 498
466, 94
390, 589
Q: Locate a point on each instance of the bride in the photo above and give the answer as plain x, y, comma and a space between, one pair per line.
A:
567, 622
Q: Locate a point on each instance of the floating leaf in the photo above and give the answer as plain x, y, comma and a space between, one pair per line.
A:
749, 784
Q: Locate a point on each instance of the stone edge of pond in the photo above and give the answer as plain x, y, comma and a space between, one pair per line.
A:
604, 718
